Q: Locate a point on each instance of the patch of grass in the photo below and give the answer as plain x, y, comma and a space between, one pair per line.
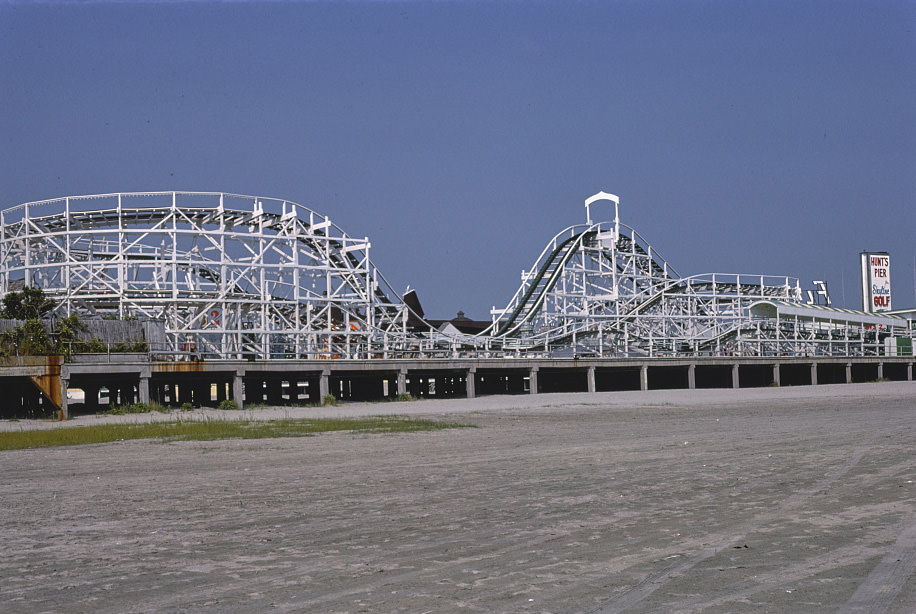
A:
136, 408
211, 430
405, 397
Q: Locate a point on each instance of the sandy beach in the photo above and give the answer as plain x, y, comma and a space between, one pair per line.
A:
758, 500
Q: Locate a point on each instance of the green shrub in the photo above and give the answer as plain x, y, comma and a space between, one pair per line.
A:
129, 408
405, 397
228, 404
187, 407
28, 339
68, 330
329, 400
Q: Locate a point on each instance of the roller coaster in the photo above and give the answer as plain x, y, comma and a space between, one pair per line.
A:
234, 276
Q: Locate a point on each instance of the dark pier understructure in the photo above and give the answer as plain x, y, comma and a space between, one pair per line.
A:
51, 388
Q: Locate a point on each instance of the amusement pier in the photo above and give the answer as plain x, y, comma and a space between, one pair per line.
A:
200, 298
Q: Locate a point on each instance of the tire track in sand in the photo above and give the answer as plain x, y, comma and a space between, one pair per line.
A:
877, 592
723, 541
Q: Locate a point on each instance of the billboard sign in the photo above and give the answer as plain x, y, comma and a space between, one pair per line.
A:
876, 281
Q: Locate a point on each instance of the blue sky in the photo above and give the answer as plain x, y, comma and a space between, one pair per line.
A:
771, 137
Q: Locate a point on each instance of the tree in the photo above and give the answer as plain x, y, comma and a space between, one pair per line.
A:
29, 304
